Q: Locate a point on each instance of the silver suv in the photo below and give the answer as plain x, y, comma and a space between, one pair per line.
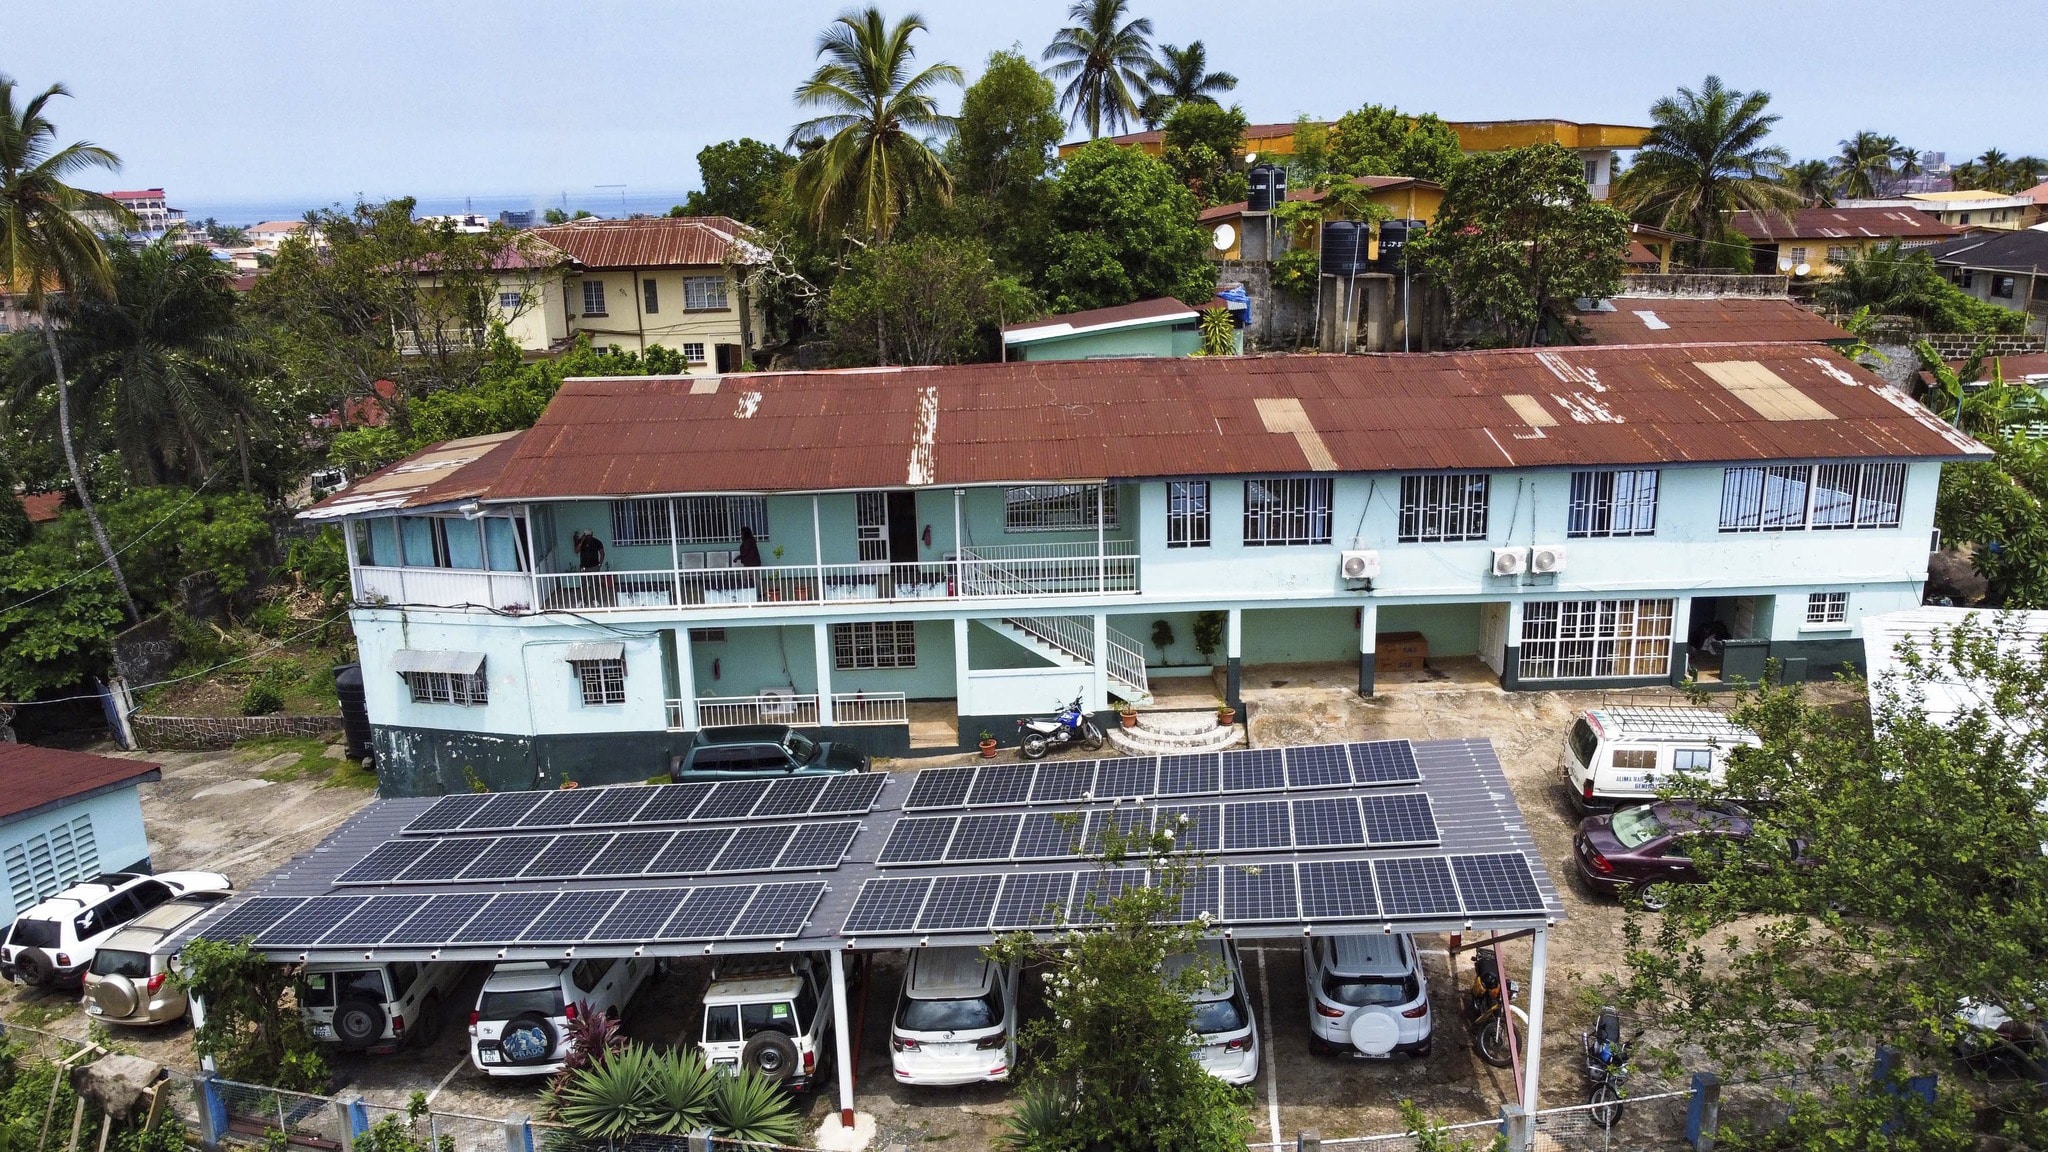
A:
127, 983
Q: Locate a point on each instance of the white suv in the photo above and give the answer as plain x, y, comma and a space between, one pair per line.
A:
771, 1017
376, 1007
521, 1023
956, 1019
51, 944
1367, 996
1226, 1035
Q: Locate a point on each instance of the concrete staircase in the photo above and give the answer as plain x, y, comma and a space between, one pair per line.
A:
1174, 733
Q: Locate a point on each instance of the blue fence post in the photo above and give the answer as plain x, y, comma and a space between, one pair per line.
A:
1921, 1086
213, 1110
353, 1118
519, 1132
1703, 1112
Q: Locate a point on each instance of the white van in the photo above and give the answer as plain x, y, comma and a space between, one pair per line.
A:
1618, 757
956, 1019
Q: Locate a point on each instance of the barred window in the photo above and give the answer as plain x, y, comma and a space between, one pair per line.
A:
1788, 498
874, 644
1281, 512
652, 295
1827, 608
1438, 508
698, 519
448, 687
1858, 495
702, 293
1187, 514
1057, 508
871, 525
1590, 639
1764, 499
511, 301
593, 298
693, 352
1613, 503
603, 681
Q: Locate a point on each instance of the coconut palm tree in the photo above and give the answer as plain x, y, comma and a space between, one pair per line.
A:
1182, 76
1106, 62
869, 156
48, 248
1863, 168
1813, 180
1906, 162
1705, 155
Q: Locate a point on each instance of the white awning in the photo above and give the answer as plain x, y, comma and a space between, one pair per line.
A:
427, 660
599, 650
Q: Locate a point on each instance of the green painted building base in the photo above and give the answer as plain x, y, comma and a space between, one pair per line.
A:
1367, 662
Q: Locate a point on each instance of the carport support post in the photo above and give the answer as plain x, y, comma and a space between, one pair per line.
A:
198, 1004
821, 647
1233, 654
1368, 641
1098, 684
1532, 1064
842, 1048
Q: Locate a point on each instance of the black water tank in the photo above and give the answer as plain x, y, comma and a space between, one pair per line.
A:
355, 710
1344, 247
1394, 237
1268, 187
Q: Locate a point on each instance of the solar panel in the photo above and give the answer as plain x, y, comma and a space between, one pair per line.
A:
448, 812
778, 910
672, 803
1419, 886
1098, 889
984, 837
754, 848
1497, 882
918, 840
448, 859
310, 921
1253, 893
250, 917
850, 795
568, 856
818, 845
791, 797
1391, 820
1317, 766
1198, 894
732, 799
1253, 770
1126, 778
568, 920
1048, 836
639, 915
888, 904
628, 854
1032, 900
505, 917
1383, 762
1001, 784
504, 810
1131, 822
692, 850
375, 920
1199, 832
939, 788
506, 857
439, 919
1337, 890
1192, 775
1252, 826
959, 903
385, 861
1063, 780
706, 912
616, 805
1327, 822
561, 807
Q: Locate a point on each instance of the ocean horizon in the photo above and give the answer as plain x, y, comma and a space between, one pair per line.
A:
599, 202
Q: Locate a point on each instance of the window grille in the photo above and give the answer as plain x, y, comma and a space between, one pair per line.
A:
1187, 514
1827, 608
511, 301
693, 353
698, 519
1056, 508
1788, 498
1287, 511
707, 635
652, 296
871, 525
1440, 508
448, 687
1613, 503
874, 644
593, 298
702, 293
603, 681
1588, 639
42, 865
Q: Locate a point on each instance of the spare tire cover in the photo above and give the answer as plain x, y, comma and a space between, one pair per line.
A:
527, 1038
115, 995
1375, 1032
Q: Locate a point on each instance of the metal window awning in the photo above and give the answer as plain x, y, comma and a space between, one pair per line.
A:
429, 660
597, 650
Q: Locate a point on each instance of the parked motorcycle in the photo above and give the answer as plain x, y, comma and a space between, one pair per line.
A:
1606, 1067
1037, 735
1483, 1016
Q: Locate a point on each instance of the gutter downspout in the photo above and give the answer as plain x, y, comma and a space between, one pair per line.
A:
640, 309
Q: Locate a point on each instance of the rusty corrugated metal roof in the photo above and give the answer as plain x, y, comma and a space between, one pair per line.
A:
1718, 320
651, 241
1840, 224
32, 778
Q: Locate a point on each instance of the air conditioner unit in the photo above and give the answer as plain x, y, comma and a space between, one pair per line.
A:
1510, 561
1546, 558
1359, 565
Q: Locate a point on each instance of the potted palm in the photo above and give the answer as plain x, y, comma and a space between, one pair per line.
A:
988, 745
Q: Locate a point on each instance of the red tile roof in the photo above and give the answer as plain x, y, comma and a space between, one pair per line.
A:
1721, 320
43, 507
33, 778
1840, 224
651, 241
1070, 323
137, 194
2038, 193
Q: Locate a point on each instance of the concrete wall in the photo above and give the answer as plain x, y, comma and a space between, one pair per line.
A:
30, 847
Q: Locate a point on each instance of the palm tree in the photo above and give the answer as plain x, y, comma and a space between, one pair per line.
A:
47, 247
867, 158
1813, 180
1106, 63
1906, 162
1863, 168
1705, 155
1182, 76
2027, 171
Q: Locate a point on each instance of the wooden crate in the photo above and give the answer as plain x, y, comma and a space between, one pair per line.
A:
1400, 651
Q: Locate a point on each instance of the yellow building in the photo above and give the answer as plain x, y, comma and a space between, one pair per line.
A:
1403, 198
674, 281
1820, 240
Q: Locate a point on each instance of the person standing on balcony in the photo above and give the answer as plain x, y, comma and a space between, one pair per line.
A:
750, 549
589, 551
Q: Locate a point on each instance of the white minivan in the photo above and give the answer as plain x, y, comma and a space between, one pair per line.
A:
520, 1026
1620, 757
956, 1019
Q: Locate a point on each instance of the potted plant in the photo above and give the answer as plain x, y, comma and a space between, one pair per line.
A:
1127, 713
1225, 714
988, 745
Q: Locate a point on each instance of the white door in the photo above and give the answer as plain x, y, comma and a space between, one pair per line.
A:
1493, 636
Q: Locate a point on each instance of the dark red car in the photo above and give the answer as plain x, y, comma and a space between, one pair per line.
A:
1636, 849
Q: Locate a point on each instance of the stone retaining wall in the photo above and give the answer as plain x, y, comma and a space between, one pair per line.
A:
210, 733
1701, 284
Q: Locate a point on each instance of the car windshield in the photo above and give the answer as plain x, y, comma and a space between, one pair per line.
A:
1584, 743
801, 747
1635, 827
949, 1015
1363, 991
506, 1005
119, 962
1213, 1016
318, 989
34, 933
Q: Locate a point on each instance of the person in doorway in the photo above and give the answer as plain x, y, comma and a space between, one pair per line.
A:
750, 549
589, 551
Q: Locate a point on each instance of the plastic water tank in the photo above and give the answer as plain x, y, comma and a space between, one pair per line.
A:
355, 710
1344, 247
1394, 237
1268, 187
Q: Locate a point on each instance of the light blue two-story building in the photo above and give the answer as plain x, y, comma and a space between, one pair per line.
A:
575, 601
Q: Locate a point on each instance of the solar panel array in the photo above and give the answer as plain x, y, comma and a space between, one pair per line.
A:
1150, 777
852, 794
605, 855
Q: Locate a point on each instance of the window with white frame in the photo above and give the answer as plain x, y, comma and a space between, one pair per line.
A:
693, 353
603, 681
871, 525
1692, 760
703, 293
466, 688
593, 298
1439, 508
1594, 639
1187, 514
1057, 508
1827, 608
874, 644
1838, 255
697, 519
1280, 512
511, 301
1619, 503
1798, 255
1789, 498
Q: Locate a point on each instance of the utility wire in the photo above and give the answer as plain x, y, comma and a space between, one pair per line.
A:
117, 552
189, 675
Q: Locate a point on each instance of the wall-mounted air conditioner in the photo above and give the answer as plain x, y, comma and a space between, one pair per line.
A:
1363, 565
1510, 561
1545, 558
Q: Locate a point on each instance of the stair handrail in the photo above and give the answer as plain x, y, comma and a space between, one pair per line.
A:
1075, 635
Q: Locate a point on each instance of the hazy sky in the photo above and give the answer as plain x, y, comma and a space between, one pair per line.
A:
244, 101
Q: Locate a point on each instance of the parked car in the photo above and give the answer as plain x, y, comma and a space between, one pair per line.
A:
1227, 1035
51, 944
376, 1007
521, 1023
1615, 757
126, 983
1637, 850
1367, 996
770, 1017
956, 1019
751, 751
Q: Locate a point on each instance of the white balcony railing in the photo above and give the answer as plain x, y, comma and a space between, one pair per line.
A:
798, 709
445, 588
866, 708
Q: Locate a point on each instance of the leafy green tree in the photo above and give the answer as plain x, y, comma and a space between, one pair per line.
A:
931, 300
1705, 156
1895, 280
1008, 127
1999, 508
1813, 181
225, 235
1380, 141
1123, 229
1107, 63
867, 157
1863, 168
1205, 148
1181, 76
252, 1031
1518, 238
740, 178
1897, 872
1309, 161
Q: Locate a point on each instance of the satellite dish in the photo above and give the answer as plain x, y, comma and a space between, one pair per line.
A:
1784, 263
1802, 270
1223, 237
1251, 157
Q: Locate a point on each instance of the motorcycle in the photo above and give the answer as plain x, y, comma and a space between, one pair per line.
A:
1041, 734
1606, 1067
1483, 1016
